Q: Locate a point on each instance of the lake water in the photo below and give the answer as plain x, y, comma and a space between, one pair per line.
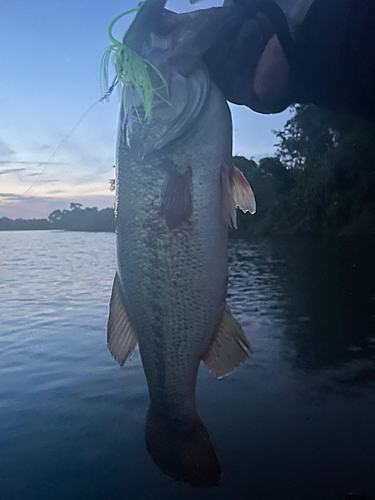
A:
296, 422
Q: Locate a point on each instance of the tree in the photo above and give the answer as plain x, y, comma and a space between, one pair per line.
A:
55, 217
79, 219
75, 206
112, 185
308, 135
273, 167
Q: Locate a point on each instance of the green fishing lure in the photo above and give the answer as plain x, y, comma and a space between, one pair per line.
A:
133, 71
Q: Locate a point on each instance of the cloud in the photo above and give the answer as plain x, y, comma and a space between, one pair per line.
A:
5, 149
11, 170
43, 148
9, 195
20, 197
37, 163
29, 207
42, 163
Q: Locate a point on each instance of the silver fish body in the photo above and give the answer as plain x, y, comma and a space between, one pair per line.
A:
173, 205
174, 280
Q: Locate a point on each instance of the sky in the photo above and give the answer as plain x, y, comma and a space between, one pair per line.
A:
49, 76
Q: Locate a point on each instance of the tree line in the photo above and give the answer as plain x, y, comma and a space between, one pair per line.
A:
321, 180
76, 218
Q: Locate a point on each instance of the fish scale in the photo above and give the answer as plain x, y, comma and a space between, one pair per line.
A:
164, 276
176, 193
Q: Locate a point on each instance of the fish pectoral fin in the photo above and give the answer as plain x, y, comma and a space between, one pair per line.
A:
229, 348
228, 207
242, 193
176, 203
121, 338
235, 192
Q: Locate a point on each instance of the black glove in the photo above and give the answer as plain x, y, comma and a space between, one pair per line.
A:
335, 64
329, 60
235, 60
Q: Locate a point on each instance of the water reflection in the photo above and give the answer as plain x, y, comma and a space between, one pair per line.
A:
307, 308
176, 438
296, 421
323, 294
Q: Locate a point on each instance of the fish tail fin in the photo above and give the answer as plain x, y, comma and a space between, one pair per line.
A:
182, 449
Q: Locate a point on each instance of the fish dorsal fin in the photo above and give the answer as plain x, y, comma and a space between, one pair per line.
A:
236, 192
121, 338
229, 348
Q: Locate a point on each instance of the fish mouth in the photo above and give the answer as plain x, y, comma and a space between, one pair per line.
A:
182, 449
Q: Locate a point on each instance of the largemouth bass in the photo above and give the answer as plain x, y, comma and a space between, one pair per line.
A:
176, 194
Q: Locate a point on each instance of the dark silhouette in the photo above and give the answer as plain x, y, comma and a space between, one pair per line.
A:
83, 219
307, 51
321, 181
74, 219
7, 224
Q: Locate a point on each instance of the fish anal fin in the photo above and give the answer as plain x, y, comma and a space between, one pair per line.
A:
176, 203
229, 348
242, 193
121, 338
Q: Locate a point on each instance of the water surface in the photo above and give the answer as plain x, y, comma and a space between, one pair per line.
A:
295, 422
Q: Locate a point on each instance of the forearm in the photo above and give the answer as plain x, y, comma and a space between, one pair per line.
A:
335, 57
332, 63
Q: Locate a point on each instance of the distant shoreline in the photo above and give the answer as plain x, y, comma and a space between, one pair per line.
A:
57, 229
76, 218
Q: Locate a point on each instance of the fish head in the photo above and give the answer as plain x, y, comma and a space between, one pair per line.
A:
162, 36
173, 46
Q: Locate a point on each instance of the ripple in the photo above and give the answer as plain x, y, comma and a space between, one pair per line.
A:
73, 421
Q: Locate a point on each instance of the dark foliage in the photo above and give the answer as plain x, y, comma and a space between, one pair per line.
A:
23, 225
322, 179
83, 219
74, 219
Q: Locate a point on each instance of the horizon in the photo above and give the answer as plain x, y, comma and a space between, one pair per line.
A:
50, 82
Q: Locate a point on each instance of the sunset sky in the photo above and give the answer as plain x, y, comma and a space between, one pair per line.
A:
49, 76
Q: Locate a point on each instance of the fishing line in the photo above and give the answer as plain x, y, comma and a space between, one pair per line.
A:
135, 68
74, 128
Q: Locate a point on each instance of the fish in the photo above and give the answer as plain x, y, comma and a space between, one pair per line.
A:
176, 195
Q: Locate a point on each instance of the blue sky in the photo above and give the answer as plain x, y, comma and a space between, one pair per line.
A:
49, 76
